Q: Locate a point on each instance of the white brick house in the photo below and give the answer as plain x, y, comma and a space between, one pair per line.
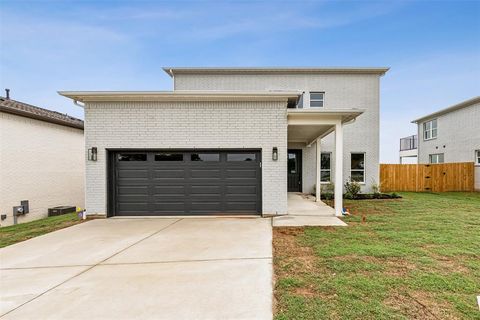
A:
41, 160
451, 135
230, 140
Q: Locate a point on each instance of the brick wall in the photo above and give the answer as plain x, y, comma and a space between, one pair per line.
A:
41, 162
342, 91
166, 125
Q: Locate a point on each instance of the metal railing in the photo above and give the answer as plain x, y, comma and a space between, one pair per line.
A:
409, 143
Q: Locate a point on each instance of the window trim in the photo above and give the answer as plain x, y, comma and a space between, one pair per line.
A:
430, 130
477, 158
321, 168
436, 154
310, 99
364, 167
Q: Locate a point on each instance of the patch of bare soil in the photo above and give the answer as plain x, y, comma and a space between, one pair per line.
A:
419, 305
293, 259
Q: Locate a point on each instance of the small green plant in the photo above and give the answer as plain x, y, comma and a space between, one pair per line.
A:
352, 189
328, 191
375, 188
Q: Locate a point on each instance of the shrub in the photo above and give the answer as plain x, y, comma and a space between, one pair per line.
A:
352, 188
375, 188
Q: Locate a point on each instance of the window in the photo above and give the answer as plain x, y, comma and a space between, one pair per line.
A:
241, 157
357, 167
164, 156
292, 162
132, 157
430, 129
477, 157
205, 157
436, 158
317, 99
325, 166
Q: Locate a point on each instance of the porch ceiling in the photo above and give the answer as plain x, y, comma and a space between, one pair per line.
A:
307, 133
306, 125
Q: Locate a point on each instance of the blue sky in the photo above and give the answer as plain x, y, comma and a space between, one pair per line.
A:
432, 47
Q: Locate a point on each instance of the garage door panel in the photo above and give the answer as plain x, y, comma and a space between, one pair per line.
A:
205, 173
169, 190
241, 189
241, 173
206, 189
188, 183
169, 207
134, 190
237, 206
135, 174
169, 174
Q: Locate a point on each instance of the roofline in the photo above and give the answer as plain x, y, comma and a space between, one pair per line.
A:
86, 96
463, 104
26, 114
278, 70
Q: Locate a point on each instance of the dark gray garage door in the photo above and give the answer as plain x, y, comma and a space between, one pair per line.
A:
186, 183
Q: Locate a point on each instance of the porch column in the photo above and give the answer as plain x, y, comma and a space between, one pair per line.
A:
338, 169
317, 183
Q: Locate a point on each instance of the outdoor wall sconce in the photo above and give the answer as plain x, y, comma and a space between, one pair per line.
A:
92, 154
275, 154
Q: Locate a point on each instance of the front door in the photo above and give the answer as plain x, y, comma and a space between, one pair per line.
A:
294, 170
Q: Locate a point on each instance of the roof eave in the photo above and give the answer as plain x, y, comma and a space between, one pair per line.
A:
455, 107
252, 70
90, 96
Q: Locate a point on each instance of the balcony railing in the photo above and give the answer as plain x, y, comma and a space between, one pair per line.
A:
409, 143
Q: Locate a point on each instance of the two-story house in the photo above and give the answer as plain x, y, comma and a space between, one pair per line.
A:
230, 140
451, 135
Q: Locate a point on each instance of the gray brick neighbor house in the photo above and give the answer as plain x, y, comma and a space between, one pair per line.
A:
230, 140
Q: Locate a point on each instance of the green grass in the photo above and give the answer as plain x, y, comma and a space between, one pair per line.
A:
20, 232
416, 257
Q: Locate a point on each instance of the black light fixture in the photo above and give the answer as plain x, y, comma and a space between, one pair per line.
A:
92, 154
275, 154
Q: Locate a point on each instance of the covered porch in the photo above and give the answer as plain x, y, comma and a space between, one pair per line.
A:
307, 127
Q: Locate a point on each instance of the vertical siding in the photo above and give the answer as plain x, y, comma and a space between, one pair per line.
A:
188, 125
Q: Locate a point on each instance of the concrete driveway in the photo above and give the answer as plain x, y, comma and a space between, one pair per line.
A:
157, 268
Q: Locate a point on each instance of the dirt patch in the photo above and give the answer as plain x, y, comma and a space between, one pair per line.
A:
293, 258
419, 305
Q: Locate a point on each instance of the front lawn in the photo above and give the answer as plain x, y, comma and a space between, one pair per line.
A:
23, 231
416, 257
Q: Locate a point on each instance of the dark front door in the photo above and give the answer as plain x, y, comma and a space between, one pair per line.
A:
187, 182
294, 170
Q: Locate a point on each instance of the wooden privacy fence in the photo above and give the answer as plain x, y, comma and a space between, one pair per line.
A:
440, 177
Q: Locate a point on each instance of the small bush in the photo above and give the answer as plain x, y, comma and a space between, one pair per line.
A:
352, 188
375, 188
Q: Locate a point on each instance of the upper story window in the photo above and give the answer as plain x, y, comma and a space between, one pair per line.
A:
317, 99
436, 158
430, 129
477, 157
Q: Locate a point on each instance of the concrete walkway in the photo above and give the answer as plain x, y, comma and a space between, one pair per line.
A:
208, 268
303, 210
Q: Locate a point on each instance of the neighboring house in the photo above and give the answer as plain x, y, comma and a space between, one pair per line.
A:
231, 140
41, 160
451, 135
409, 149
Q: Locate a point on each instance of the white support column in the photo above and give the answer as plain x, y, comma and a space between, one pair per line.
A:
317, 183
338, 169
